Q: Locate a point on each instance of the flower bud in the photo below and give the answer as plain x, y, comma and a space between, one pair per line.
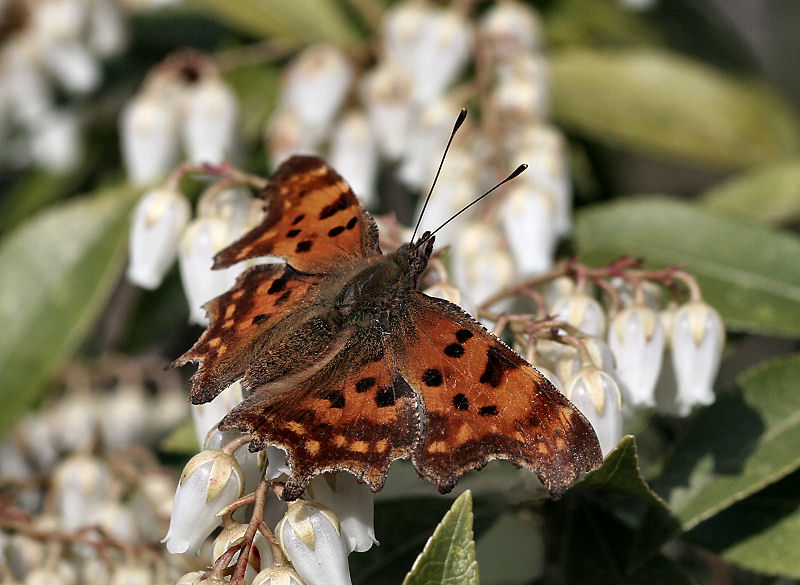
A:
310, 536
81, 483
278, 575
158, 223
637, 339
354, 156
252, 464
596, 394
231, 535
698, 335
234, 206
149, 134
210, 481
353, 504
582, 312
210, 113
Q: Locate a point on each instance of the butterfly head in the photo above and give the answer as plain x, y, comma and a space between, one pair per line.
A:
412, 258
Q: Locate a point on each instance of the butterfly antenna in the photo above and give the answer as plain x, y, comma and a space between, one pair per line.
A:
517, 172
462, 115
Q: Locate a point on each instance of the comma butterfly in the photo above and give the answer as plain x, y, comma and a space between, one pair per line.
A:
347, 366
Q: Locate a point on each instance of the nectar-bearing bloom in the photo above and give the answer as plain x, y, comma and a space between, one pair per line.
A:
596, 394
278, 575
697, 337
210, 115
311, 538
210, 481
582, 312
637, 339
158, 223
353, 504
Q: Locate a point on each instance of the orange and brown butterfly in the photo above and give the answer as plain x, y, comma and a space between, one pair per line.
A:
347, 366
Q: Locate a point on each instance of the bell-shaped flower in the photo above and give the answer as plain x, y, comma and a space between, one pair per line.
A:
581, 311
252, 464
210, 114
353, 504
285, 136
480, 263
354, 156
235, 206
276, 462
210, 481
207, 416
74, 66
596, 394
107, 35
158, 223
202, 239
528, 220
149, 133
509, 28
637, 339
55, 141
315, 85
233, 534
80, 483
431, 45
386, 94
278, 575
311, 538
427, 137
697, 337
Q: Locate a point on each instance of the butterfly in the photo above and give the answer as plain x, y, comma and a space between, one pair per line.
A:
347, 366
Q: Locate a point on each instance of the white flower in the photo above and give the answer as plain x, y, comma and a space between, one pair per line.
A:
252, 463
278, 575
276, 462
310, 536
80, 483
210, 481
131, 573
315, 86
233, 534
286, 136
431, 45
149, 133
207, 416
210, 113
158, 223
124, 416
353, 504
74, 66
697, 336
55, 141
480, 262
581, 311
596, 394
202, 239
354, 156
528, 222
510, 28
235, 206
386, 93
637, 339
107, 34
426, 142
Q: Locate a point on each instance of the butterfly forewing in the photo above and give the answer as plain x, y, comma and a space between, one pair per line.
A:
483, 401
312, 219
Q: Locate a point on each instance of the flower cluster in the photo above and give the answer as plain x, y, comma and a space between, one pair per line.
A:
83, 498
49, 47
307, 540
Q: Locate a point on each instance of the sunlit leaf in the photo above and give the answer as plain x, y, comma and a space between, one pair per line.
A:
56, 272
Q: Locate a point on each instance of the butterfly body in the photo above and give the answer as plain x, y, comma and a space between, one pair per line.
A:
347, 366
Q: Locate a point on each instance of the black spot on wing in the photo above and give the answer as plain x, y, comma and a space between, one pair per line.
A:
497, 364
454, 350
384, 397
352, 223
277, 286
432, 377
283, 298
488, 410
342, 203
298, 219
460, 402
333, 232
260, 319
292, 233
303, 246
365, 384
463, 334
336, 398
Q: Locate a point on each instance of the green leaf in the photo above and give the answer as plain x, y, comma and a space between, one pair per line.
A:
748, 439
770, 194
570, 22
449, 555
257, 89
56, 272
760, 533
511, 551
302, 21
670, 106
182, 440
748, 272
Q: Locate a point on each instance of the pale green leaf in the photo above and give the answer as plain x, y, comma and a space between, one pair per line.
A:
304, 21
257, 89
56, 272
670, 106
449, 555
770, 194
749, 272
511, 551
745, 441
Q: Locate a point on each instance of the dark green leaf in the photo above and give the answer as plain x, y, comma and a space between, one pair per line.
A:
770, 194
511, 551
56, 272
760, 533
748, 439
670, 106
449, 555
748, 272
257, 88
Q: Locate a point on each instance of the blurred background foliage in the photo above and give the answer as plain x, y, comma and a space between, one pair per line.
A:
684, 141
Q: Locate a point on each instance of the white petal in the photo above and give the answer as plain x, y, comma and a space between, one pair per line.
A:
210, 116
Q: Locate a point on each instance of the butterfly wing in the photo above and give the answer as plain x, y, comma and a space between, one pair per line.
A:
482, 401
239, 319
313, 220
355, 414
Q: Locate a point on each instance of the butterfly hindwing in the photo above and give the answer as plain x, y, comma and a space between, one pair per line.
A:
355, 414
239, 320
482, 401
313, 220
